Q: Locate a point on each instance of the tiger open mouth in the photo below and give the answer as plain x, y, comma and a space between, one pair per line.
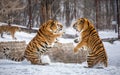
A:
60, 29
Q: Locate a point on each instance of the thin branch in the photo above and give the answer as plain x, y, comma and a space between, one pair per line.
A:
11, 7
57, 10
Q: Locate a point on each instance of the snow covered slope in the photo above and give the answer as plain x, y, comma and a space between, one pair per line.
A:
13, 68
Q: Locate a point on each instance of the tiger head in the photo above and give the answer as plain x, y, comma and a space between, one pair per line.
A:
53, 26
81, 24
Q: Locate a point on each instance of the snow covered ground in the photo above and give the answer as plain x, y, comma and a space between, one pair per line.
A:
13, 68
8, 67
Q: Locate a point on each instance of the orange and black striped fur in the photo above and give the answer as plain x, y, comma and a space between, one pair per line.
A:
10, 29
44, 39
91, 39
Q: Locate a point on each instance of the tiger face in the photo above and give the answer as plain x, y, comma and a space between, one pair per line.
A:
80, 24
54, 26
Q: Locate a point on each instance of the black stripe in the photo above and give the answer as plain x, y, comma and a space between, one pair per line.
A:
96, 44
85, 36
100, 53
40, 31
99, 48
42, 46
93, 43
94, 34
44, 50
92, 55
28, 51
96, 52
94, 40
38, 49
46, 43
41, 52
92, 29
101, 56
48, 47
95, 57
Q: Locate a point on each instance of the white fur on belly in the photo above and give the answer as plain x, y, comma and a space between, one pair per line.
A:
45, 59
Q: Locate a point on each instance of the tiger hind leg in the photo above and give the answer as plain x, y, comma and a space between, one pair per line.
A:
93, 65
38, 62
105, 63
90, 63
13, 36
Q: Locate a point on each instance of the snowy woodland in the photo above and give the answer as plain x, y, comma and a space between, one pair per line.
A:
30, 14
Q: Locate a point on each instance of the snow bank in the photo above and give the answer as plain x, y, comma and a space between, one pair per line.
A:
8, 67
108, 34
54, 69
113, 51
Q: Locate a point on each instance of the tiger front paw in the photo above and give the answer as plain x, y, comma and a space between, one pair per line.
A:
76, 40
62, 33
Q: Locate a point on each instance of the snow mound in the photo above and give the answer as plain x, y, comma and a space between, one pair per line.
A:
12, 68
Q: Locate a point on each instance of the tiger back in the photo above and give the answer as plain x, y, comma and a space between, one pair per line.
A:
91, 39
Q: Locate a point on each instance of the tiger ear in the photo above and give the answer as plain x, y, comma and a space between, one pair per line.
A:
86, 25
82, 20
52, 23
88, 22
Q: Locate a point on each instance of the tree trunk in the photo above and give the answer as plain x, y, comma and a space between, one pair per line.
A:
30, 15
61, 52
97, 13
118, 17
67, 13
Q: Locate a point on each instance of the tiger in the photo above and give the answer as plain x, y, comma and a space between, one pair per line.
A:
11, 29
41, 43
90, 39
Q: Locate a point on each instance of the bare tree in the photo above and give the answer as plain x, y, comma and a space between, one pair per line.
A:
118, 17
30, 14
7, 7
